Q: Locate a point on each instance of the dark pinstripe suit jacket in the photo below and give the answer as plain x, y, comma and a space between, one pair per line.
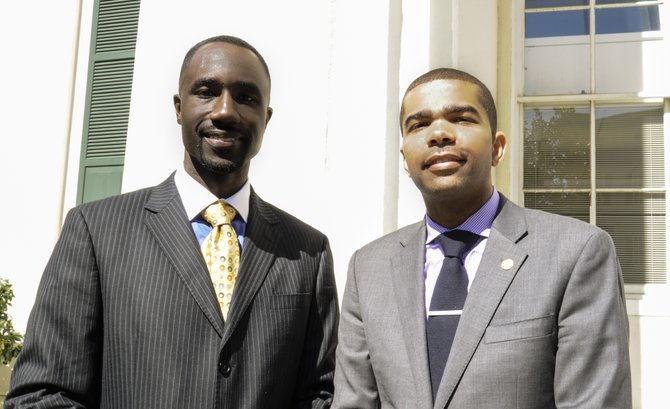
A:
126, 317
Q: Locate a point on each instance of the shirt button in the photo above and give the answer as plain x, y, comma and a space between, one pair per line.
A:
225, 369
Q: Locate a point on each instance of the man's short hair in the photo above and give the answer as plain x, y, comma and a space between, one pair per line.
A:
224, 39
485, 97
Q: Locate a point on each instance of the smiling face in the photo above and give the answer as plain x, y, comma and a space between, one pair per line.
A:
447, 145
222, 107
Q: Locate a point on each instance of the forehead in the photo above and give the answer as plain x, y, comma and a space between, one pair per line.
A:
438, 94
227, 63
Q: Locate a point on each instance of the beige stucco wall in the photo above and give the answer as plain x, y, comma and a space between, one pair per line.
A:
39, 50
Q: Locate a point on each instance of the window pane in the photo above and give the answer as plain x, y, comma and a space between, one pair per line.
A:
629, 147
538, 4
627, 20
620, 66
636, 222
626, 60
556, 148
568, 204
557, 23
552, 38
547, 73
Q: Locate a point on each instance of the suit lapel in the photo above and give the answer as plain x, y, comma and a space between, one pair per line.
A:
408, 283
488, 288
171, 228
258, 254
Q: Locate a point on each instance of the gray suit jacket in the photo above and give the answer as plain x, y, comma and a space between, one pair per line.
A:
126, 316
544, 324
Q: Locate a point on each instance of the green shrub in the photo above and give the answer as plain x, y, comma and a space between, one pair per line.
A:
10, 340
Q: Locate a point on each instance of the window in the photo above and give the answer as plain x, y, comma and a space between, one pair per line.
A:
593, 148
620, 40
108, 98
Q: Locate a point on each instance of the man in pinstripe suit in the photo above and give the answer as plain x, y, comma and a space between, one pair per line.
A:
126, 315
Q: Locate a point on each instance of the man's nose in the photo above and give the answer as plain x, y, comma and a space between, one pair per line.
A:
225, 108
441, 134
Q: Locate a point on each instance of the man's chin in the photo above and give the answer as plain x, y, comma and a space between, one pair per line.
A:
438, 186
444, 191
223, 167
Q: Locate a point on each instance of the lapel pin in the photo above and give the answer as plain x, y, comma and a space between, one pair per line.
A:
507, 263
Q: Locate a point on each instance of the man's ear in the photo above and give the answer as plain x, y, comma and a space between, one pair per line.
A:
404, 161
268, 115
176, 101
499, 145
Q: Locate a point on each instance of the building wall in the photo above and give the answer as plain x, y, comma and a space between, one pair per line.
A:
39, 49
331, 151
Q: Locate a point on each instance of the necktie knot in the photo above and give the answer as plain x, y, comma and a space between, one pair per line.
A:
219, 213
455, 242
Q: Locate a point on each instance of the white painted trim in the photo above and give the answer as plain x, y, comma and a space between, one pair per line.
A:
71, 103
78, 106
648, 300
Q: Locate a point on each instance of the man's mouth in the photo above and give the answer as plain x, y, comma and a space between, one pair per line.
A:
219, 143
221, 138
443, 161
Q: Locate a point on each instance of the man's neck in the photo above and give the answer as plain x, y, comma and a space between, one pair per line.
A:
451, 212
221, 184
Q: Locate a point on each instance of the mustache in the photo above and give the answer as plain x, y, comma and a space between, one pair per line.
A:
224, 131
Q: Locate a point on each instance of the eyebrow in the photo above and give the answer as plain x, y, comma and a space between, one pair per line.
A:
416, 117
209, 82
460, 109
248, 86
446, 110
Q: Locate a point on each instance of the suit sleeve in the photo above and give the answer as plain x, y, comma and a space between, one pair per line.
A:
355, 384
592, 361
59, 366
315, 383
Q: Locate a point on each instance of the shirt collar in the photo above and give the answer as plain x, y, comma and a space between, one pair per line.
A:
196, 197
479, 223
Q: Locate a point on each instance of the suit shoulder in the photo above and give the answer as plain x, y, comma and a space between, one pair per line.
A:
137, 199
542, 218
291, 222
569, 231
403, 236
134, 198
119, 209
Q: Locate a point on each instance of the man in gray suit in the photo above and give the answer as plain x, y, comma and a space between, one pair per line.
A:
530, 311
126, 315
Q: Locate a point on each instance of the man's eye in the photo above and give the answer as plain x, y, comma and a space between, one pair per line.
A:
247, 99
203, 92
416, 125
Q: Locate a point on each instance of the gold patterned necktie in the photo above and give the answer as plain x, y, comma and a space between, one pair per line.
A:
222, 252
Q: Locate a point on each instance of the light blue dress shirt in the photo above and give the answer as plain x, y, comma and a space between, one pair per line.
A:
196, 198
